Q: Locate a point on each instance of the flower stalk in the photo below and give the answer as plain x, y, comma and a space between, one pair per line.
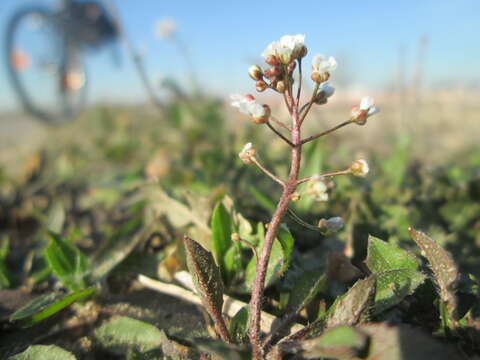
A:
284, 57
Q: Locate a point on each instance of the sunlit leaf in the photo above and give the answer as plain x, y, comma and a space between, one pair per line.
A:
394, 285
353, 306
45, 306
208, 282
383, 256
122, 332
67, 262
221, 236
44, 352
443, 267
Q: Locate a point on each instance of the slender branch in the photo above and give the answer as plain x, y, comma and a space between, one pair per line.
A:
310, 103
281, 123
330, 174
251, 246
313, 137
279, 134
300, 221
274, 178
299, 89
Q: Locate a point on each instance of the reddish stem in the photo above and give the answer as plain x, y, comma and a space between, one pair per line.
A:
282, 206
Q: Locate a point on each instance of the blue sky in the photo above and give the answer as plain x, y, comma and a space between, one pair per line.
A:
224, 37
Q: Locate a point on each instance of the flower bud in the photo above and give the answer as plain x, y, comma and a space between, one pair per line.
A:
255, 72
320, 77
361, 113
359, 168
333, 224
358, 115
262, 117
280, 87
302, 52
275, 71
261, 85
271, 60
247, 153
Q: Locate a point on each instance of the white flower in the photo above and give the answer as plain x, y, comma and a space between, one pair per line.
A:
247, 153
248, 106
286, 49
165, 28
322, 64
366, 109
318, 188
359, 168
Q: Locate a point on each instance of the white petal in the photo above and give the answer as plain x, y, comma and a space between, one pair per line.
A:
366, 103
373, 110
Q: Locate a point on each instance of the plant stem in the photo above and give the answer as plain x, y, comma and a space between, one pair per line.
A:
264, 169
282, 206
279, 134
326, 132
330, 174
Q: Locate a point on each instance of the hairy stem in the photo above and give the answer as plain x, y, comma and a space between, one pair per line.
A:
261, 269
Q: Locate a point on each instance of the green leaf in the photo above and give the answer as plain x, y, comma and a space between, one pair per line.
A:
208, 282
221, 237
383, 256
45, 306
287, 242
122, 332
352, 307
67, 262
43, 352
443, 267
393, 286
238, 327
4, 273
305, 290
342, 342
